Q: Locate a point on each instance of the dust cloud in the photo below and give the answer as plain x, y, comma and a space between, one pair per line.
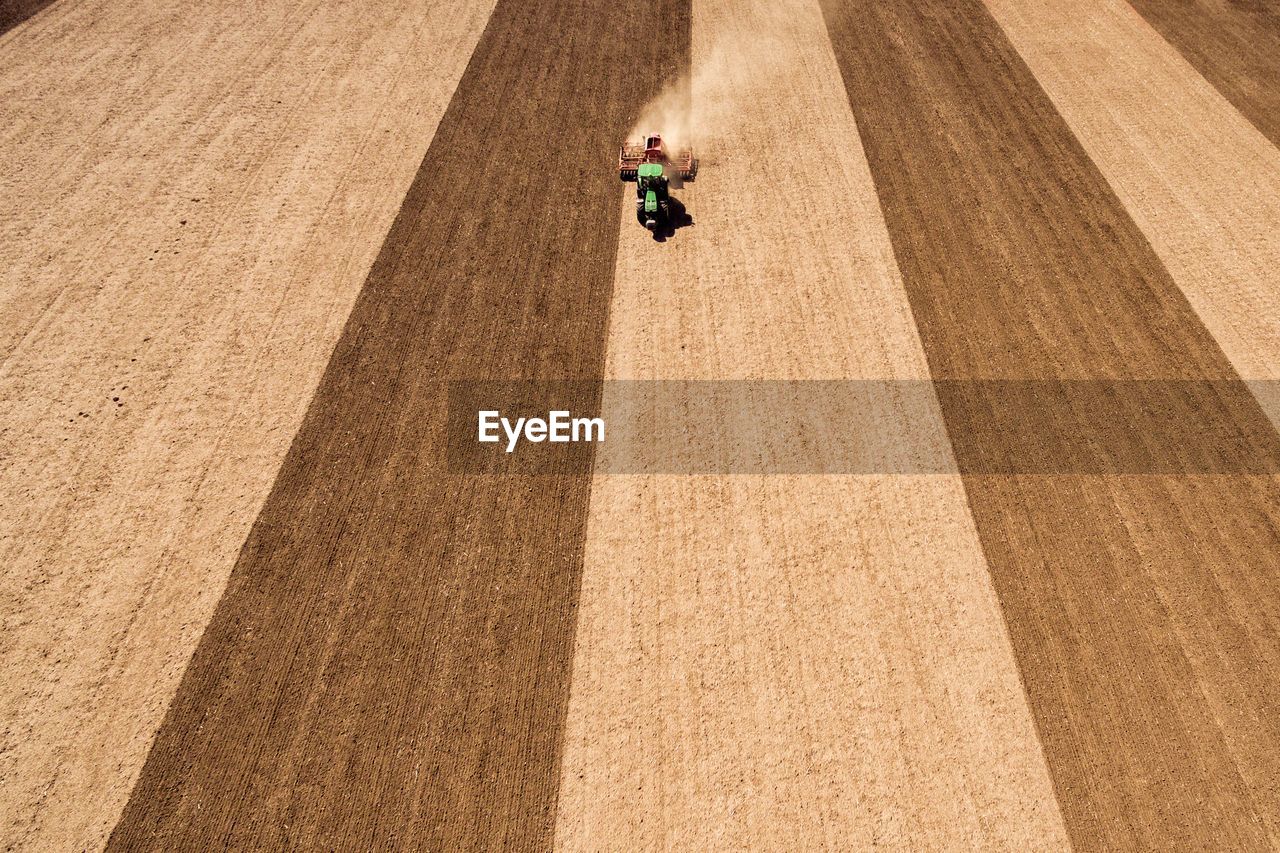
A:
730, 65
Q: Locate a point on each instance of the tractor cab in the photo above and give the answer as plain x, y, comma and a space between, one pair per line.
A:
651, 184
652, 199
649, 173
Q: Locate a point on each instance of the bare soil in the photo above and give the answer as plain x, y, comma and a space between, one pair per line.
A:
390, 664
786, 662
191, 201
253, 598
1142, 609
1235, 46
1197, 178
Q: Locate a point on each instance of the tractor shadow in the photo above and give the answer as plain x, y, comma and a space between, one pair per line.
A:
678, 218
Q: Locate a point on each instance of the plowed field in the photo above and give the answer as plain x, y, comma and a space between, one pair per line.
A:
938, 501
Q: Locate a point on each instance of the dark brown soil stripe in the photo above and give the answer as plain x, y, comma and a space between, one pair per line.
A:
1234, 44
1144, 611
14, 12
389, 665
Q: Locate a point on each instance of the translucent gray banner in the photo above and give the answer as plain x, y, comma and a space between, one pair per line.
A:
1190, 427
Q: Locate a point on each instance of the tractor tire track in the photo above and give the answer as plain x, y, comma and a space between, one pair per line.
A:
1235, 45
1144, 611
390, 663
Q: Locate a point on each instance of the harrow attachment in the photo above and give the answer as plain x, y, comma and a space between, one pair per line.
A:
652, 149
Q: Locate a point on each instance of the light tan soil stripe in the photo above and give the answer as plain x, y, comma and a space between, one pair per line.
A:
389, 667
1234, 44
1199, 180
1143, 610
786, 662
191, 200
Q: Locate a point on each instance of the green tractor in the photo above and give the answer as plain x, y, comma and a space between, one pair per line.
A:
648, 163
653, 204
